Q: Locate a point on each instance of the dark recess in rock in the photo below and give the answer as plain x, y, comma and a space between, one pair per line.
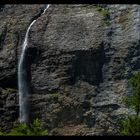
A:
88, 66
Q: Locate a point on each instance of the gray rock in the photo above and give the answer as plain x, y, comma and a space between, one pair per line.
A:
79, 66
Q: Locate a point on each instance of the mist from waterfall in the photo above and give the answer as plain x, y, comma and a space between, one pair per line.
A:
23, 86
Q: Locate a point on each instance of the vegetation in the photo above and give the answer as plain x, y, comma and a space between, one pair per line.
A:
55, 95
131, 126
105, 13
133, 101
35, 129
9, 90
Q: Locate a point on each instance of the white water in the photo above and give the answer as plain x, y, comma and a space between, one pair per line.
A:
48, 5
23, 86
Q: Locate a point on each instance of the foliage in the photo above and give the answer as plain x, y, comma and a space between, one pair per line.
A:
135, 99
131, 126
9, 90
35, 129
2, 134
103, 11
55, 95
20, 130
126, 101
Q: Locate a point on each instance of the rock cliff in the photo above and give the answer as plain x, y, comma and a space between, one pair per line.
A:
80, 61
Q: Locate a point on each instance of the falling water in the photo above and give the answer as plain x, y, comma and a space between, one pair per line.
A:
22, 79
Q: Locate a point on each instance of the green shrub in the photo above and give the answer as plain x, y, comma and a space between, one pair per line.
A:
20, 130
103, 11
2, 134
35, 129
133, 101
131, 126
135, 98
9, 90
55, 95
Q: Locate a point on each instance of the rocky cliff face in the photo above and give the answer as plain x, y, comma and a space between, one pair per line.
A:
78, 65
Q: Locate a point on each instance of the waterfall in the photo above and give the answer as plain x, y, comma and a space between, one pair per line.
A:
23, 85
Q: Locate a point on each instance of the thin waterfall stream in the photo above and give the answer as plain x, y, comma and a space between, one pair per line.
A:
23, 86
